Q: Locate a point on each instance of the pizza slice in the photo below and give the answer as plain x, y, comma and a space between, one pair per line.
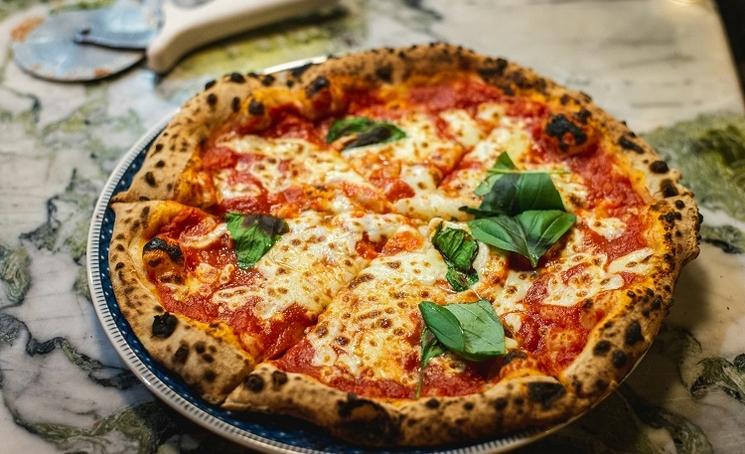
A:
371, 341
240, 285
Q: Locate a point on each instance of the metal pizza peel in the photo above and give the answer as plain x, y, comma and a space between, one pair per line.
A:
88, 45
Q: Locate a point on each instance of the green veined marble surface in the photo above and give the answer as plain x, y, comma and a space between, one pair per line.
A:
63, 387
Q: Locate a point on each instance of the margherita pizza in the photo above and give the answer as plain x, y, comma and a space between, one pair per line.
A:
405, 246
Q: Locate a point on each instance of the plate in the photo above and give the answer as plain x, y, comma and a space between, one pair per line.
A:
265, 433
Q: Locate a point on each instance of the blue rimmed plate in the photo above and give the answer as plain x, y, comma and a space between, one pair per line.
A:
257, 431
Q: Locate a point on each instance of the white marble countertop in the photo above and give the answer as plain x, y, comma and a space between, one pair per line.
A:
650, 62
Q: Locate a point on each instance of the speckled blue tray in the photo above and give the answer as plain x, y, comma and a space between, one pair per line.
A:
262, 432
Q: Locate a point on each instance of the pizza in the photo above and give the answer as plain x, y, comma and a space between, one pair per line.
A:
407, 247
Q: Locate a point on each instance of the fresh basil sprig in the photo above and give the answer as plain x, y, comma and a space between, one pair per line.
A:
365, 130
509, 191
529, 234
471, 330
254, 235
459, 250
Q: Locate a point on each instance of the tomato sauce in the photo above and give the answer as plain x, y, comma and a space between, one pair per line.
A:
436, 381
555, 335
271, 337
631, 240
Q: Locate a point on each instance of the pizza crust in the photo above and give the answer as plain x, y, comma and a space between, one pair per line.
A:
614, 346
206, 356
529, 401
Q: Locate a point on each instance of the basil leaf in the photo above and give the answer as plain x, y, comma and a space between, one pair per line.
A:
345, 126
509, 191
443, 324
459, 250
461, 281
536, 191
472, 330
431, 348
482, 331
254, 235
529, 234
367, 131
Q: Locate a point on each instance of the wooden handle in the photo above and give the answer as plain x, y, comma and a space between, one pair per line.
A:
185, 29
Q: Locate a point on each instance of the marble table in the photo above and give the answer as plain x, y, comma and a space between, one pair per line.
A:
652, 63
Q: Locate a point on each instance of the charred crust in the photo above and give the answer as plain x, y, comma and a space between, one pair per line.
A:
212, 99
384, 73
601, 348
158, 244
679, 204
659, 167
279, 379
468, 406
493, 68
200, 347
254, 383
366, 421
633, 333
627, 144
210, 84
668, 188
500, 403
559, 126
256, 107
150, 179
545, 393
164, 325
432, 403
236, 78
235, 104
161, 163
619, 358
181, 354
208, 358
268, 80
316, 85
209, 375
583, 115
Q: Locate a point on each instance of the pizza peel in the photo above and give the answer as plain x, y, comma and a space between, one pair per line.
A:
87, 45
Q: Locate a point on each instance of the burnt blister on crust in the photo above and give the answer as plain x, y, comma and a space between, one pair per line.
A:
601, 348
668, 188
255, 107
158, 244
545, 393
254, 383
633, 333
627, 144
366, 421
316, 85
567, 133
164, 325
659, 167
279, 379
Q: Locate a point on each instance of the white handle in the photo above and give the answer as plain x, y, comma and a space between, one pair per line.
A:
187, 28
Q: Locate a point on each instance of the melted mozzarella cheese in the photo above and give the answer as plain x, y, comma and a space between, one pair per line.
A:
420, 143
281, 163
205, 240
634, 262
509, 135
608, 228
465, 129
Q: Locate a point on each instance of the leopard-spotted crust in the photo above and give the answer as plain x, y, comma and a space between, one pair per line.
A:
614, 345
207, 357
